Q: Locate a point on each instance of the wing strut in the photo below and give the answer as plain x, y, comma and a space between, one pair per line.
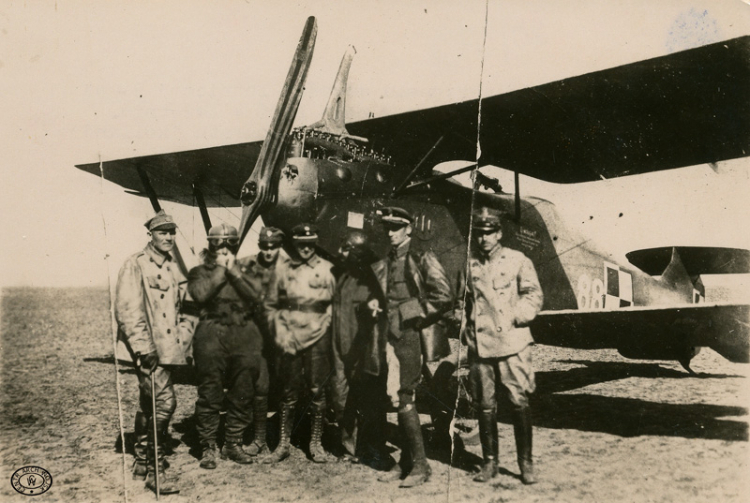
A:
419, 165
441, 176
517, 196
149, 189
202, 205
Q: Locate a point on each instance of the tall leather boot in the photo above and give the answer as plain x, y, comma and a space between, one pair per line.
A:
420, 470
260, 417
440, 394
488, 438
522, 429
373, 432
140, 448
399, 470
283, 450
317, 453
168, 480
348, 434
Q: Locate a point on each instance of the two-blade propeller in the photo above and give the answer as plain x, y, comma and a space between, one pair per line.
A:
257, 192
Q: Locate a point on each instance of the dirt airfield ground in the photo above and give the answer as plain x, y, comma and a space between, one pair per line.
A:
606, 428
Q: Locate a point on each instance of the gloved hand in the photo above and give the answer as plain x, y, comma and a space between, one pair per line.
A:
148, 362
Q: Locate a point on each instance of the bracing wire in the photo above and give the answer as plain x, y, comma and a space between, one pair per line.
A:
113, 323
470, 237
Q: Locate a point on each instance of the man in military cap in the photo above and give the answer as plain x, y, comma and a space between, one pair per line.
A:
358, 350
298, 308
263, 265
228, 348
416, 291
503, 296
261, 269
150, 292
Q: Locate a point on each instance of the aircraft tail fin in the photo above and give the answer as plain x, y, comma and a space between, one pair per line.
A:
677, 276
333, 116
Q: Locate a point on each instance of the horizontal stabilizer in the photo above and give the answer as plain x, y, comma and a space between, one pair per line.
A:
696, 259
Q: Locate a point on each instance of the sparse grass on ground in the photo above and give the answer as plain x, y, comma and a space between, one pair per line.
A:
607, 429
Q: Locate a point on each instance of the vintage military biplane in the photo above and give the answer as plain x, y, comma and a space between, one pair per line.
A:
684, 109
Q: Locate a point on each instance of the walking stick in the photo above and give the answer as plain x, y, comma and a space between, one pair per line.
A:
156, 438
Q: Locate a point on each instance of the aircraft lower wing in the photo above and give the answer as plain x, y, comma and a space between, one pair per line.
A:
651, 332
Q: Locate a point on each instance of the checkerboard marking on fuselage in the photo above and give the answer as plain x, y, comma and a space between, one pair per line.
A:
618, 287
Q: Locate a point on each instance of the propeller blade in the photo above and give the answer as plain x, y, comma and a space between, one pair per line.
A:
257, 193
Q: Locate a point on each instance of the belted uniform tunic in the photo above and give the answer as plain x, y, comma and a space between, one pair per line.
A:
298, 305
298, 310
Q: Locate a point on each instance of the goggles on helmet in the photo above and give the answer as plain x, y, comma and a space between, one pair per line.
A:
220, 242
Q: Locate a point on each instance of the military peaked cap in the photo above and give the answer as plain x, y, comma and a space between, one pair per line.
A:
395, 215
271, 236
487, 219
161, 221
305, 232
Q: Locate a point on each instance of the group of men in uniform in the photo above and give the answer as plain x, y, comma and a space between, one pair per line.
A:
353, 344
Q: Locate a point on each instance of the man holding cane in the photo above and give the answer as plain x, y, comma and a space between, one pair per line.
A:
150, 291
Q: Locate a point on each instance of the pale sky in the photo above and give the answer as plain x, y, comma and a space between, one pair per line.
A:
89, 80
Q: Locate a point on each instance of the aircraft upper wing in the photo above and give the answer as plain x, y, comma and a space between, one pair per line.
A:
683, 109
219, 171
650, 332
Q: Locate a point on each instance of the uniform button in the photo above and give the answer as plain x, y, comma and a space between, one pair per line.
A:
178, 339
168, 269
164, 314
502, 274
162, 296
169, 331
499, 329
158, 276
